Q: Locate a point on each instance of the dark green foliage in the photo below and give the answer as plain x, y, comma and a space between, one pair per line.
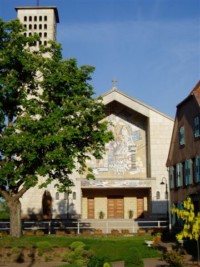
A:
49, 121
96, 261
191, 246
4, 212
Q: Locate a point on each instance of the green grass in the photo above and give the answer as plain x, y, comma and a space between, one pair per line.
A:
130, 249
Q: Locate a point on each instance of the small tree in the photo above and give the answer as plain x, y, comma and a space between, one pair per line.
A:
191, 222
50, 124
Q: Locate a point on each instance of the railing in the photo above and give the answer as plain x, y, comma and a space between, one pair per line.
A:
79, 226
132, 225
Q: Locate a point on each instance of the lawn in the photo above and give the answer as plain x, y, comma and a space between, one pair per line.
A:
129, 249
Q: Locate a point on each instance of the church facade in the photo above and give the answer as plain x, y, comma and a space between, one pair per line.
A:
127, 182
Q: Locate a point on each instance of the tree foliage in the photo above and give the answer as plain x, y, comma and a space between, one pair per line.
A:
191, 222
50, 124
191, 228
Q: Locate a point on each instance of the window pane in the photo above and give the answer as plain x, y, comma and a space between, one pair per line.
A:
179, 175
196, 127
181, 136
74, 195
171, 177
197, 169
157, 195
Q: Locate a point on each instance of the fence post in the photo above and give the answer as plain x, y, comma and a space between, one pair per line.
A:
78, 228
49, 232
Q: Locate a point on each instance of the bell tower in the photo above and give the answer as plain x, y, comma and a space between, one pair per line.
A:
39, 19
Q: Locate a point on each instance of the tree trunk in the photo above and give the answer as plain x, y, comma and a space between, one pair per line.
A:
14, 206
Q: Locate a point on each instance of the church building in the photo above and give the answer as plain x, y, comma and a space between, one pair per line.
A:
128, 180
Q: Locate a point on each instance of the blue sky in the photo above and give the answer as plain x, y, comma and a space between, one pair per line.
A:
152, 47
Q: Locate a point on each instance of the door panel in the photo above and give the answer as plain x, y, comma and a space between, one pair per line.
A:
90, 208
116, 207
140, 207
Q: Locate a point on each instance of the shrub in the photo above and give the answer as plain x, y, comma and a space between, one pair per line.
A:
79, 251
69, 257
77, 244
80, 262
43, 246
65, 257
95, 261
174, 259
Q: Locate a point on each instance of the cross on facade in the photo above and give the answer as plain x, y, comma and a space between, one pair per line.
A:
38, 3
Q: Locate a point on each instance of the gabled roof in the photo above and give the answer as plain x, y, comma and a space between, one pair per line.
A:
116, 95
195, 92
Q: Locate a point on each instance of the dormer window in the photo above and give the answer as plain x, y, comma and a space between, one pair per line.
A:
182, 136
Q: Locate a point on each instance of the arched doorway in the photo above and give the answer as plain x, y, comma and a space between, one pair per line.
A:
47, 205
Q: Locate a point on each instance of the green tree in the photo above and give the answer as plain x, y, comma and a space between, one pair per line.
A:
191, 222
50, 124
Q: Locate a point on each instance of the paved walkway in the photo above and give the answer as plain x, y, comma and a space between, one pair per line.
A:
158, 262
155, 262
